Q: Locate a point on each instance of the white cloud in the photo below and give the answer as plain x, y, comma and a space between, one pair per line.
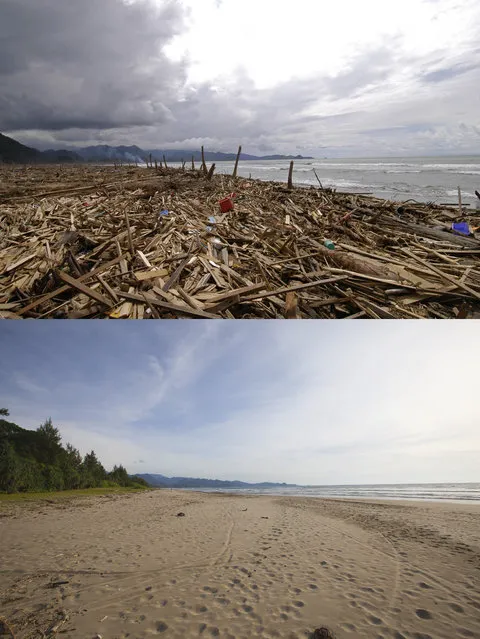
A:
274, 41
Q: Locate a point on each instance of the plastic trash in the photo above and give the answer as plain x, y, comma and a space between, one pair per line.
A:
461, 227
212, 220
163, 213
329, 245
227, 203
209, 229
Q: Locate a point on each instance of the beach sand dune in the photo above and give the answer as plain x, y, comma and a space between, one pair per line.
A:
240, 567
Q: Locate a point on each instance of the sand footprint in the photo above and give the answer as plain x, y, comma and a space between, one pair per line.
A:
456, 607
423, 614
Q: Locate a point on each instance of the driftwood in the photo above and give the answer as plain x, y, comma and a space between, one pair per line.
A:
126, 242
290, 176
235, 168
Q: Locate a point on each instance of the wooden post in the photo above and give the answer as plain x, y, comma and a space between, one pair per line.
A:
183, 164
165, 162
210, 173
151, 165
321, 185
204, 166
156, 165
290, 176
460, 210
193, 163
236, 162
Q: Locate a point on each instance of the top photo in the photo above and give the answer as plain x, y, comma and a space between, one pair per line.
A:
218, 159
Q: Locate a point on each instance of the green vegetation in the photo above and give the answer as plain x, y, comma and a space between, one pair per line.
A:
63, 495
34, 461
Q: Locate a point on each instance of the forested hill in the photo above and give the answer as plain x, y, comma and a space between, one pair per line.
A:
36, 460
161, 481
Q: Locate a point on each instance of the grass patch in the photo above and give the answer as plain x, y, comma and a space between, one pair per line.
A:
68, 494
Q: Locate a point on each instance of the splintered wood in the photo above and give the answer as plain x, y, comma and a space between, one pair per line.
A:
104, 242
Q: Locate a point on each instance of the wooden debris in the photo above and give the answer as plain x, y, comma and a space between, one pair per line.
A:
126, 242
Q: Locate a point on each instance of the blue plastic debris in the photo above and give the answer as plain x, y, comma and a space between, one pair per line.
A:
163, 212
329, 245
461, 227
209, 229
212, 220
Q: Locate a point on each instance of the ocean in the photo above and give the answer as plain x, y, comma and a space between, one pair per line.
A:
422, 179
412, 492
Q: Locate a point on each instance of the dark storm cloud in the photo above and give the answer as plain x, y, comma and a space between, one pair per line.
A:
73, 67
87, 64
81, 72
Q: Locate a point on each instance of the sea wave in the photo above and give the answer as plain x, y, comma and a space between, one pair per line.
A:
465, 194
416, 492
401, 171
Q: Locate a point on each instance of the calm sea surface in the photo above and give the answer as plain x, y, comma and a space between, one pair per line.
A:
421, 179
417, 492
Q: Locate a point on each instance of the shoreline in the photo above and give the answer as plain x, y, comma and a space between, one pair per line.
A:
241, 566
373, 500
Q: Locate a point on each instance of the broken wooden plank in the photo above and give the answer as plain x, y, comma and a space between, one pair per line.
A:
143, 276
168, 306
83, 288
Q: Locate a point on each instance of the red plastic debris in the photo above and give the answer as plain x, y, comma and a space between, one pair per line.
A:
227, 203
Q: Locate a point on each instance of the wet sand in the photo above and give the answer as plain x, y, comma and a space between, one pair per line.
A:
240, 567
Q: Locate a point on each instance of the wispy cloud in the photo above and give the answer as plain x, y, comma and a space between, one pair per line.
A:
26, 384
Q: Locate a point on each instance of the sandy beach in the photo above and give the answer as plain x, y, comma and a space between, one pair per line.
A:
239, 567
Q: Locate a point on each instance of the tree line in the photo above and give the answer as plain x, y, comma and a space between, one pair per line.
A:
36, 460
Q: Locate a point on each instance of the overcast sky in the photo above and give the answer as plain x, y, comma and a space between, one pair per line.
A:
306, 402
336, 78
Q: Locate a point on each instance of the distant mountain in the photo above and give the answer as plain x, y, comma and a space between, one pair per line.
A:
161, 481
60, 156
210, 156
105, 153
12, 151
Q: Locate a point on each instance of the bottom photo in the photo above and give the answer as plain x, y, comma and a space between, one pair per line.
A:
239, 480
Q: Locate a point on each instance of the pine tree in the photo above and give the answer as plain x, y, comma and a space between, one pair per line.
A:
120, 476
71, 464
50, 442
94, 472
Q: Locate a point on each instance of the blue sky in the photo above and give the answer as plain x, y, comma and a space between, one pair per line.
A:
303, 402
